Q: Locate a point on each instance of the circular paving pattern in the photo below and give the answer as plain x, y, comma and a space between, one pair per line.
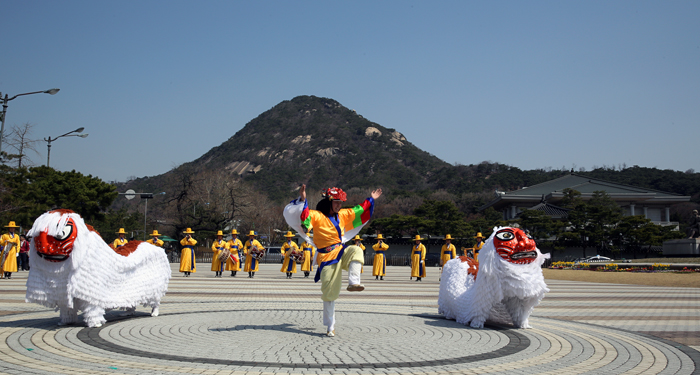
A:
291, 341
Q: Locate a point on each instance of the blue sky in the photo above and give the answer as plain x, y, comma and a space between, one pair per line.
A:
529, 84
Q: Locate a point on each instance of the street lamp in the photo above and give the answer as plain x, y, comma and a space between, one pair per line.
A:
130, 194
4, 108
69, 134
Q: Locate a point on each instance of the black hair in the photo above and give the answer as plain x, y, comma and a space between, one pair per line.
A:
325, 206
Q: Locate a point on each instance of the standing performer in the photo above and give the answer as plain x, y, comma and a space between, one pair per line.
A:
187, 261
155, 240
251, 263
448, 251
309, 252
121, 241
333, 227
289, 266
478, 246
379, 264
235, 246
217, 247
418, 259
24, 253
9, 246
358, 243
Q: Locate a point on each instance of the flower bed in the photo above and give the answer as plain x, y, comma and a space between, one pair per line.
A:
614, 267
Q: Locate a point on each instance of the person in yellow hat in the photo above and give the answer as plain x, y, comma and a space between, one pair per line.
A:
9, 247
155, 240
289, 266
235, 246
478, 246
418, 259
187, 256
251, 264
448, 251
379, 263
121, 240
358, 242
309, 253
217, 247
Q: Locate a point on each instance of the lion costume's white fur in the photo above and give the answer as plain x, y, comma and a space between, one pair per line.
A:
94, 278
503, 292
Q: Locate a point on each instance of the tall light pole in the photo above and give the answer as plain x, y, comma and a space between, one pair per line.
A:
130, 194
4, 108
69, 134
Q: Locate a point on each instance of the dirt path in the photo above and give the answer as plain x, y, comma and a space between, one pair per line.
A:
691, 280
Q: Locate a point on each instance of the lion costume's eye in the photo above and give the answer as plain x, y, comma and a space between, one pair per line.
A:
67, 230
505, 235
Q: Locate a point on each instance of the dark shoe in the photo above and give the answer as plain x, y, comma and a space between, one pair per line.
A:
376, 277
381, 278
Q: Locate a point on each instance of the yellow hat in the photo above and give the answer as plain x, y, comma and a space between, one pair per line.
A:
12, 225
155, 233
121, 231
448, 237
220, 233
357, 238
289, 234
188, 231
478, 235
418, 238
252, 233
379, 237
234, 232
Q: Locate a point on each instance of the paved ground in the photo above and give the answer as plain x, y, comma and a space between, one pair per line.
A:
272, 325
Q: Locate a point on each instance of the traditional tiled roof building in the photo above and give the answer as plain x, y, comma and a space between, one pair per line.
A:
653, 204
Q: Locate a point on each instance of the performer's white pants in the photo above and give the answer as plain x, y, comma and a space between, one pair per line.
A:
329, 306
329, 315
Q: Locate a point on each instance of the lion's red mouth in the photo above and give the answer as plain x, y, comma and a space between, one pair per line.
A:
56, 248
515, 246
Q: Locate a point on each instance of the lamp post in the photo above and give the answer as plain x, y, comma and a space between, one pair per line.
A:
69, 134
4, 108
130, 194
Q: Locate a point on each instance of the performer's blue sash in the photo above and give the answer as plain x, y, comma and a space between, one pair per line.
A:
421, 266
328, 262
191, 252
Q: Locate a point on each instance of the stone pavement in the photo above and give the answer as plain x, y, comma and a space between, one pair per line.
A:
271, 325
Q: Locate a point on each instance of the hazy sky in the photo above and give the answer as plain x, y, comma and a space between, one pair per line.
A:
527, 83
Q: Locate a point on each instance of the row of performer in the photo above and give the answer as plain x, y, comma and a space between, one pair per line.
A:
228, 254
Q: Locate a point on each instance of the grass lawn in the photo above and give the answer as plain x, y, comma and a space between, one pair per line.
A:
689, 280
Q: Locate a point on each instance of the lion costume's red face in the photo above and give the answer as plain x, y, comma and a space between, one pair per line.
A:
58, 248
515, 246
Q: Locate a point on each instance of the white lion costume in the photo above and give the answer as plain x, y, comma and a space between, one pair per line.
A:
73, 269
508, 287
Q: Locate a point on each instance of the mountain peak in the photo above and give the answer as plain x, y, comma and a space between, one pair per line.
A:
319, 142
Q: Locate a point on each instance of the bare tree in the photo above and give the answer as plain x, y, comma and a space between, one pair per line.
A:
19, 141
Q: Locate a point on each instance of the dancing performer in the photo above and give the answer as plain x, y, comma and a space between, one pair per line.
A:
418, 259
333, 227
9, 250
289, 266
235, 246
251, 263
217, 247
121, 240
308, 248
187, 261
379, 264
